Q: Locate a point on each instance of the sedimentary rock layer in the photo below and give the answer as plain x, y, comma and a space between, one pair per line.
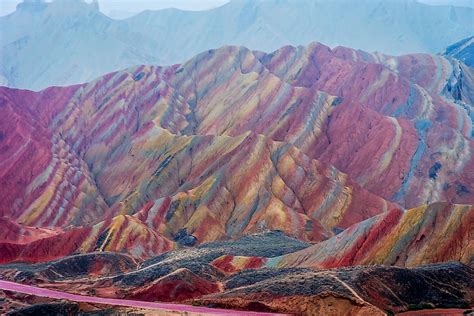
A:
435, 233
307, 140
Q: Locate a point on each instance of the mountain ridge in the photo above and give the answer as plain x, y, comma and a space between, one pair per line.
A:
148, 38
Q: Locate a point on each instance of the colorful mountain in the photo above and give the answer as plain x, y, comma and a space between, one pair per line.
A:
122, 233
436, 233
185, 140
238, 166
67, 33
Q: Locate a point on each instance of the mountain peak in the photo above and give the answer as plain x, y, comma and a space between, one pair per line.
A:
31, 5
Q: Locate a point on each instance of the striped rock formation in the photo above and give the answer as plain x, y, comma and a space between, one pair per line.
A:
218, 204
438, 232
122, 233
307, 140
43, 182
411, 93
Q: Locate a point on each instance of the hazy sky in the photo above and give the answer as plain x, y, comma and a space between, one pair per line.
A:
117, 8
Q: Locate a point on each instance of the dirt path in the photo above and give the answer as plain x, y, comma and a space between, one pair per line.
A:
26, 289
436, 312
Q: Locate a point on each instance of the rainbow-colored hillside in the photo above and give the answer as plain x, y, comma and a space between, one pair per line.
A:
357, 159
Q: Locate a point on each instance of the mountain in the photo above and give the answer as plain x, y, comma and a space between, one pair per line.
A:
184, 142
239, 176
462, 50
435, 233
64, 42
175, 138
122, 233
77, 43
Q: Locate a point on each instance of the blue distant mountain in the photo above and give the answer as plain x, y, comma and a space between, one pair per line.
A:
71, 41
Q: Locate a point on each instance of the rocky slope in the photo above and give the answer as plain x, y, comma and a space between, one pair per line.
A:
348, 153
364, 290
462, 50
436, 233
188, 276
67, 33
234, 142
122, 233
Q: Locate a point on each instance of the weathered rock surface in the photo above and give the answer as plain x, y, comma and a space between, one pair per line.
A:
359, 158
235, 142
188, 276
438, 232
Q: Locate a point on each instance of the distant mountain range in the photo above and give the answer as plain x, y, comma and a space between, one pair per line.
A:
67, 42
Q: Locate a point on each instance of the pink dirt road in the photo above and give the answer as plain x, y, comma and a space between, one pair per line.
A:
26, 289
436, 312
